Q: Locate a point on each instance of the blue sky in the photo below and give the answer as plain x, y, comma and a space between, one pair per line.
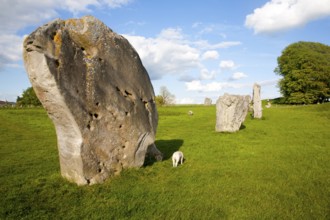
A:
196, 49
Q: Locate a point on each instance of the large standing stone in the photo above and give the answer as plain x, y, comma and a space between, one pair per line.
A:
231, 111
207, 101
257, 108
95, 89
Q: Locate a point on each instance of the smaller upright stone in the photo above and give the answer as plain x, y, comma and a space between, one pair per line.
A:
231, 111
257, 108
207, 101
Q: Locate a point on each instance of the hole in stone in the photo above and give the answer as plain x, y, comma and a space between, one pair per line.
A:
99, 170
83, 49
37, 46
127, 93
126, 113
57, 63
90, 114
120, 126
28, 50
96, 115
77, 90
88, 181
117, 89
123, 146
100, 59
97, 104
53, 35
89, 127
29, 42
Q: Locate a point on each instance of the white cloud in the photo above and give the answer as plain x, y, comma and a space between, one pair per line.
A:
185, 101
205, 45
171, 34
279, 15
210, 54
187, 78
227, 65
238, 75
172, 53
206, 74
197, 24
271, 82
116, 3
163, 56
198, 86
11, 47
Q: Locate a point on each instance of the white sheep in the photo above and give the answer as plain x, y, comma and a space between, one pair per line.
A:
176, 158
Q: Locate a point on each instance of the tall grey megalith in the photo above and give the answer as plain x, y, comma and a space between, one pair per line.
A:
99, 96
256, 100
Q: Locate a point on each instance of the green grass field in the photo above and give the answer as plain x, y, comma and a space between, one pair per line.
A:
274, 168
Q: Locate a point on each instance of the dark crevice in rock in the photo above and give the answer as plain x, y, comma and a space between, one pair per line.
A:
29, 49
95, 115
57, 63
128, 93
53, 35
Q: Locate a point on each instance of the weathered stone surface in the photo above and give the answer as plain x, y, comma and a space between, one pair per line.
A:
207, 101
231, 111
257, 108
98, 94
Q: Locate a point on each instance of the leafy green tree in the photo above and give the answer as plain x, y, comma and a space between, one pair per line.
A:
164, 97
305, 67
159, 100
28, 98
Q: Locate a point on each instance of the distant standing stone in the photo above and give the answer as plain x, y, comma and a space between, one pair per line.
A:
231, 111
257, 107
98, 94
208, 101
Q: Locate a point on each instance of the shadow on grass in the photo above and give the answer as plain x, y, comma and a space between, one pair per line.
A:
242, 127
167, 147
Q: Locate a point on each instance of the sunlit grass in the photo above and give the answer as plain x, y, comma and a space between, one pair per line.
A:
275, 168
